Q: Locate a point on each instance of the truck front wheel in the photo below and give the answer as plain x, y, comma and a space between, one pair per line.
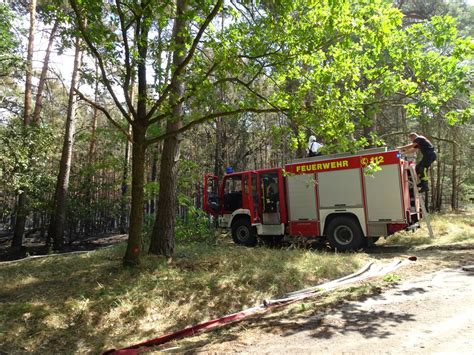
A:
243, 233
344, 234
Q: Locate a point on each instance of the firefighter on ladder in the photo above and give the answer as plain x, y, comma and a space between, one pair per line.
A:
429, 156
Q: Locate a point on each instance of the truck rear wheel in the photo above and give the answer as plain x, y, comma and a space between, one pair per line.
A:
243, 233
344, 233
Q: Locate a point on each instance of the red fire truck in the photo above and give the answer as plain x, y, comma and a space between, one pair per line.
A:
330, 197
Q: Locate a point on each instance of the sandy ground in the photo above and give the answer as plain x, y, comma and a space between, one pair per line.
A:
428, 315
430, 311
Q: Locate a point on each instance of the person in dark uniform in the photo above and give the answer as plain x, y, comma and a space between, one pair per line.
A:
428, 157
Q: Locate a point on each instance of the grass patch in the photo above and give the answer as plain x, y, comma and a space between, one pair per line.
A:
88, 302
448, 228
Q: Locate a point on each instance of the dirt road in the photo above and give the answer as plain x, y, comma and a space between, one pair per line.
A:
431, 314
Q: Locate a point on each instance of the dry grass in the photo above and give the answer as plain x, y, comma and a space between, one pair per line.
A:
448, 228
88, 302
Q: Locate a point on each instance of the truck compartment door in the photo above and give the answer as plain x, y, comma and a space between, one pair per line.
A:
302, 197
384, 195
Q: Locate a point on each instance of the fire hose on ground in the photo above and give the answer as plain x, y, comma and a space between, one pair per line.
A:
369, 271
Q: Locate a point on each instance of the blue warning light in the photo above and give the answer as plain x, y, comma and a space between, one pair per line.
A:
398, 155
229, 170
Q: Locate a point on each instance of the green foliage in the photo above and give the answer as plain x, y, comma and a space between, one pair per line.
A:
391, 278
372, 168
9, 43
24, 153
439, 68
195, 227
341, 63
334, 67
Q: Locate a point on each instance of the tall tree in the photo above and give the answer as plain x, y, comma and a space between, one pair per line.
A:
116, 54
162, 238
21, 211
58, 217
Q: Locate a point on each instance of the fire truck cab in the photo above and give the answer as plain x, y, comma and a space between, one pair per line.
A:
330, 197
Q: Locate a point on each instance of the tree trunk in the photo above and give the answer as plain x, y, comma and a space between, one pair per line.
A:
21, 212
454, 177
153, 176
218, 153
124, 188
124, 184
29, 64
300, 150
90, 160
20, 221
58, 217
132, 255
437, 199
44, 72
162, 238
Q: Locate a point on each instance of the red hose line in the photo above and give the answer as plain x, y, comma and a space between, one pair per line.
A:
293, 297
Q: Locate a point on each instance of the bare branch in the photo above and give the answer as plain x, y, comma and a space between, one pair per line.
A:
105, 112
207, 118
184, 98
247, 85
179, 69
82, 29
128, 72
263, 55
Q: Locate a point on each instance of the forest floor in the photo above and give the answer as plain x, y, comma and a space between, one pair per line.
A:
76, 303
34, 245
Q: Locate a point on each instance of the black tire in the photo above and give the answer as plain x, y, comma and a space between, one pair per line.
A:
344, 234
369, 242
243, 233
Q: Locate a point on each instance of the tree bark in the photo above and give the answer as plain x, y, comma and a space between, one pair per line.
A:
126, 162
454, 177
29, 64
162, 238
154, 175
134, 245
44, 72
124, 188
20, 221
437, 202
58, 217
90, 160
139, 127
218, 153
21, 212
